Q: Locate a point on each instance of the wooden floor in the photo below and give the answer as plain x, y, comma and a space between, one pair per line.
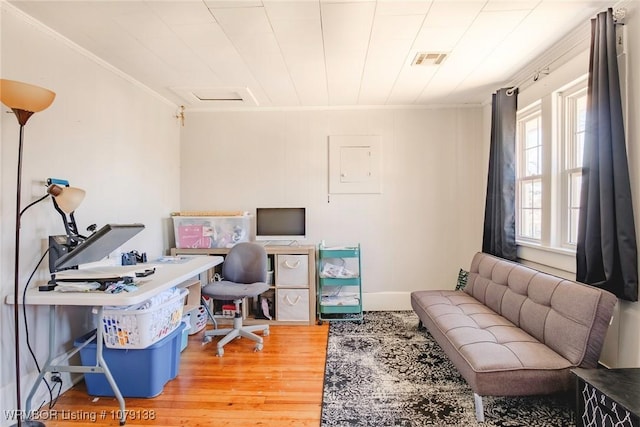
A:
279, 386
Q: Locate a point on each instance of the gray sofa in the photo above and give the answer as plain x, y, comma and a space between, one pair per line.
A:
516, 331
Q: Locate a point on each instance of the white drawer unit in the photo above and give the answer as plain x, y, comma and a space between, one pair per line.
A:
292, 304
291, 299
292, 271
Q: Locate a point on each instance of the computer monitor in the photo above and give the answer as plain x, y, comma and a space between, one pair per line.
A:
94, 248
281, 224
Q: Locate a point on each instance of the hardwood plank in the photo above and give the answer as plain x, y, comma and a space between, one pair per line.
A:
280, 386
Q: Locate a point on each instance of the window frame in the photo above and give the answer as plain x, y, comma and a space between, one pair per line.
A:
557, 115
571, 161
525, 115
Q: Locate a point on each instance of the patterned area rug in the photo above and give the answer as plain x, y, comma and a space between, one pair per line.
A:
386, 372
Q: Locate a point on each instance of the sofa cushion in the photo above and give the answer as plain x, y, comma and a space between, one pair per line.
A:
493, 355
485, 339
557, 312
514, 330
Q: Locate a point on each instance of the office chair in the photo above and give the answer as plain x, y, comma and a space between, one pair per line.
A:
244, 273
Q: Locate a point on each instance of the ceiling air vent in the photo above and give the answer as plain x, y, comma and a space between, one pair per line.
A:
429, 58
216, 96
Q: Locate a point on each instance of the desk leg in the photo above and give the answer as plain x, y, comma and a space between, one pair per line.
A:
47, 364
101, 362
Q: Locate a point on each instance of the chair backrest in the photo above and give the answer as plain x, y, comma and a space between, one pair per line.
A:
246, 262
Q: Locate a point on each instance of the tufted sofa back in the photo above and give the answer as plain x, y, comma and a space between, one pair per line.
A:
569, 317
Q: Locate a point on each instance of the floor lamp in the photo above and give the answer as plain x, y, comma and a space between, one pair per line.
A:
24, 99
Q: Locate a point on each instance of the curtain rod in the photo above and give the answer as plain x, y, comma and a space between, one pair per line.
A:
618, 19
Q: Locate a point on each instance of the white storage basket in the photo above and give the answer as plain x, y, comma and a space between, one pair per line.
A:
140, 328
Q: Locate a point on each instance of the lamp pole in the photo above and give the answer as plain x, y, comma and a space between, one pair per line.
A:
16, 311
16, 274
24, 99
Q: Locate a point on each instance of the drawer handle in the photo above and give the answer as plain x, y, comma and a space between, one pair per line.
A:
292, 302
295, 264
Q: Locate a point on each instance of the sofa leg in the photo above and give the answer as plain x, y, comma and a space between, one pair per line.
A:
479, 408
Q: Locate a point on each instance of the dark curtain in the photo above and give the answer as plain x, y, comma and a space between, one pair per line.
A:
606, 254
499, 236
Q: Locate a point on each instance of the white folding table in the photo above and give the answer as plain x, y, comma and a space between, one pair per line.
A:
167, 275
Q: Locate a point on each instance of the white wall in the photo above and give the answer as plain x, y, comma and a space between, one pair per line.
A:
416, 234
104, 134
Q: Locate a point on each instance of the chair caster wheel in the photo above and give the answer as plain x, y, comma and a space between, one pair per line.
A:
206, 340
265, 333
220, 352
258, 347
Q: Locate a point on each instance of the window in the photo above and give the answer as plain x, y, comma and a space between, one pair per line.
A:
529, 174
573, 106
549, 148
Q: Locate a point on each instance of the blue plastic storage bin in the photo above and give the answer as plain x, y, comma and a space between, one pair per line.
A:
137, 372
184, 340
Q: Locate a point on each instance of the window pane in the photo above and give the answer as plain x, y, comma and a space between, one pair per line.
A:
532, 161
531, 148
537, 224
530, 225
532, 133
580, 120
529, 171
537, 194
574, 114
527, 195
573, 231
579, 150
575, 184
526, 219
531, 194
581, 113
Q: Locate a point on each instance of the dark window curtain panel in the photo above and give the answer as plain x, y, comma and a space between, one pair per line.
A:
499, 237
606, 254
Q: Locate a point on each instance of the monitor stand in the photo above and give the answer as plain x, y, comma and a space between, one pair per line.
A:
279, 242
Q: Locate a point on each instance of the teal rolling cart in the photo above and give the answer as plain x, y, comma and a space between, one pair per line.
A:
339, 284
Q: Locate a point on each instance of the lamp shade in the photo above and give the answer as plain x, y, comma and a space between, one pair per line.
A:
67, 198
23, 96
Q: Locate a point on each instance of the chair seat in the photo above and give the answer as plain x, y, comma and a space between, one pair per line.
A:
225, 290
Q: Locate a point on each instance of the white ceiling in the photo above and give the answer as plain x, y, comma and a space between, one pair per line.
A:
309, 53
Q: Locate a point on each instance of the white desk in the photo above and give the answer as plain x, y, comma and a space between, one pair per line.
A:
166, 276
